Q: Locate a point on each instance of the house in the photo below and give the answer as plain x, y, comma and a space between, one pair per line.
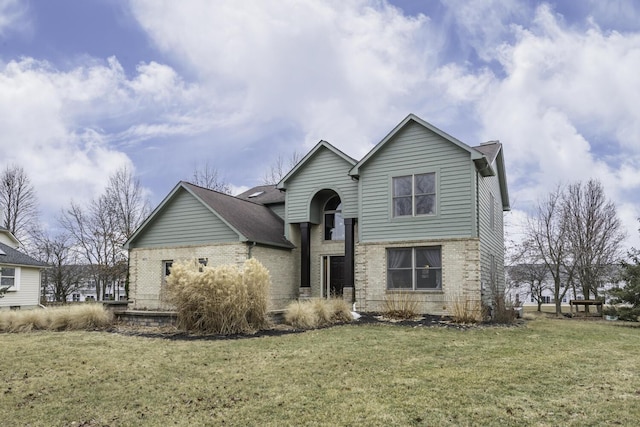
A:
421, 214
19, 274
529, 285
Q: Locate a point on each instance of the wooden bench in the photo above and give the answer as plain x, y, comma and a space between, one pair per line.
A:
586, 302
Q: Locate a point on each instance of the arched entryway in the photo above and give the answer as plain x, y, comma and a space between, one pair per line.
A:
327, 247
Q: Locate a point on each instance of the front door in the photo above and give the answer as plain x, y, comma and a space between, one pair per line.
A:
333, 276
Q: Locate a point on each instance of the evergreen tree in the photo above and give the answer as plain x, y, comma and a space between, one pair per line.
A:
629, 295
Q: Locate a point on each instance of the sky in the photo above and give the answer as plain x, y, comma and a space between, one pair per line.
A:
165, 87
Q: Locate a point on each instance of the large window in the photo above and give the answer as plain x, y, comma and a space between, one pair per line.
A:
8, 278
414, 268
333, 220
414, 195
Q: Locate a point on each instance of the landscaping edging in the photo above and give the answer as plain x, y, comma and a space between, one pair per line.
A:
146, 318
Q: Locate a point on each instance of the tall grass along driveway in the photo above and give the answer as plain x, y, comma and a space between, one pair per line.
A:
549, 372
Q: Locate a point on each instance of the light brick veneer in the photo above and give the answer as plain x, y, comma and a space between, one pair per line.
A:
147, 287
460, 275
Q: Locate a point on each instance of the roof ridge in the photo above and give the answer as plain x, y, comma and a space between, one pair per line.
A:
221, 193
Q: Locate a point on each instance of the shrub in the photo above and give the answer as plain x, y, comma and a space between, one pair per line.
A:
301, 315
77, 317
317, 312
501, 313
466, 310
323, 311
341, 311
400, 305
222, 300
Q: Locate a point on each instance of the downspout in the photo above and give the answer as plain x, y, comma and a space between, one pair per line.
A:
250, 246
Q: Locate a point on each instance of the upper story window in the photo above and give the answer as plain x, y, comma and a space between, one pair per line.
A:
414, 195
333, 220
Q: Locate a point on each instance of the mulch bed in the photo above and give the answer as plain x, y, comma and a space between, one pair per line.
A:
172, 333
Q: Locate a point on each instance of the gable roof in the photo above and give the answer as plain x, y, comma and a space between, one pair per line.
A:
320, 145
253, 222
8, 255
264, 194
475, 155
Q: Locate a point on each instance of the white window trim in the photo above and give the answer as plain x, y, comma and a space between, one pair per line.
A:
16, 278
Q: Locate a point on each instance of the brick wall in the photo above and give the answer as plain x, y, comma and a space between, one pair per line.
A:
320, 248
460, 275
284, 269
147, 287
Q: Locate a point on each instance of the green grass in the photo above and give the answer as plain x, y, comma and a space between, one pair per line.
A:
550, 372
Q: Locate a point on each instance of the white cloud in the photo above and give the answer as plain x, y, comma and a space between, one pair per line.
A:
565, 110
343, 71
52, 121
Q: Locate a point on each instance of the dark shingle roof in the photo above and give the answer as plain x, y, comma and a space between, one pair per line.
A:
256, 222
269, 195
8, 255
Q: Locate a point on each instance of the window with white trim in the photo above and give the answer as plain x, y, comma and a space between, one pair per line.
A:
9, 278
414, 195
416, 269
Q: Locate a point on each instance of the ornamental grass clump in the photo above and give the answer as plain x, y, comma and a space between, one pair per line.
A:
317, 312
220, 300
76, 317
400, 305
466, 310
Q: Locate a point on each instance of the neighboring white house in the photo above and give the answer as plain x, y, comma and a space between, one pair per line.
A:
19, 273
519, 292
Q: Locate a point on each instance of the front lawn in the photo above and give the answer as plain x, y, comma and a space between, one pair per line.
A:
549, 372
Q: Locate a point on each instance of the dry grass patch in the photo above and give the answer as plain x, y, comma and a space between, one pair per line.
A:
466, 310
400, 305
317, 312
550, 372
74, 317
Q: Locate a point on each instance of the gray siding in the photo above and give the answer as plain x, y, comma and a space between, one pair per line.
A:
416, 149
278, 209
184, 221
325, 170
491, 239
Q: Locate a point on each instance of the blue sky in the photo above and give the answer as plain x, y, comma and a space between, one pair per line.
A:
165, 86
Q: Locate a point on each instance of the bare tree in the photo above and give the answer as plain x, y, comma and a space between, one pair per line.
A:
18, 202
547, 237
529, 271
280, 168
594, 232
99, 230
208, 177
64, 274
127, 197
